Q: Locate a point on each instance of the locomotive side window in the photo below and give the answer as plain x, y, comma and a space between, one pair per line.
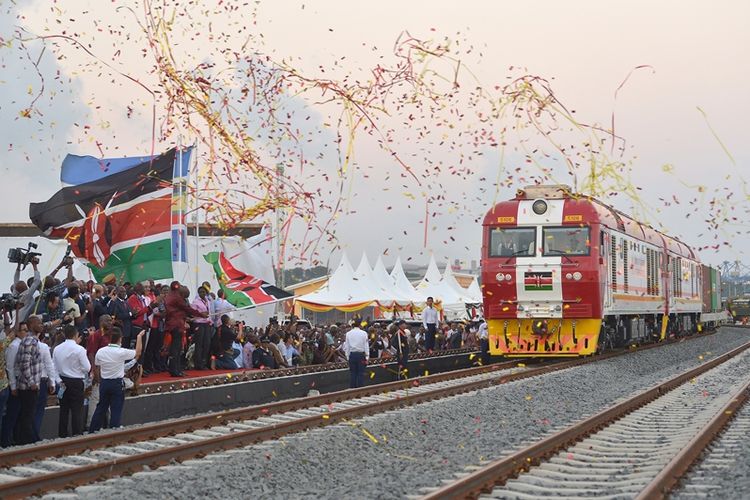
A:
512, 242
566, 241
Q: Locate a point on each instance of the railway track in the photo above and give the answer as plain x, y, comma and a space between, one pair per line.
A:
639, 447
76, 461
723, 456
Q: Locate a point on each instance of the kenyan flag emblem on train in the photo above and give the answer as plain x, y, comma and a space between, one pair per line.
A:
537, 281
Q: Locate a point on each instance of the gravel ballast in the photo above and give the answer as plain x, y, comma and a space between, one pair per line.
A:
394, 454
724, 469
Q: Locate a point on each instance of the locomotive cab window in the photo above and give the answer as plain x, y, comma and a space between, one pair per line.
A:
512, 242
566, 241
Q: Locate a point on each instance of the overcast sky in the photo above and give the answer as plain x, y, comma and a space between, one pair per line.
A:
684, 117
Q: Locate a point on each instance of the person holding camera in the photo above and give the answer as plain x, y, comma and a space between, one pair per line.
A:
24, 292
55, 286
54, 316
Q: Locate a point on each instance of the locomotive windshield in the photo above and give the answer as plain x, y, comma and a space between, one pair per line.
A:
512, 242
566, 241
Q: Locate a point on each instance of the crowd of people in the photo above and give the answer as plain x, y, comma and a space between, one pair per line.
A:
89, 343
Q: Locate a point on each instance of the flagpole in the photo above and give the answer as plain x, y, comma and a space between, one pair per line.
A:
197, 213
180, 197
279, 176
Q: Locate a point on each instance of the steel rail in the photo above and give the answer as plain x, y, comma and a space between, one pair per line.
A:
85, 474
81, 475
69, 446
670, 476
499, 471
89, 473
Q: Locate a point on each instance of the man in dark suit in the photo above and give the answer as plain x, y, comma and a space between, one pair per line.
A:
400, 342
121, 315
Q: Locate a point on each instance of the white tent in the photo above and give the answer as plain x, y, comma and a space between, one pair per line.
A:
466, 296
432, 275
403, 285
367, 281
475, 293
342, 291
393, 293
350, 290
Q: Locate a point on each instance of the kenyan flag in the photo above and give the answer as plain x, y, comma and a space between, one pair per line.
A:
120, 223
241, 289
537, 281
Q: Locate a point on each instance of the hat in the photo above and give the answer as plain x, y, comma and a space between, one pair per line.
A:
109, 279
206, 285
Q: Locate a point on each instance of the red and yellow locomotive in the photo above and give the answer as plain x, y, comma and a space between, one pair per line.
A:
567, 275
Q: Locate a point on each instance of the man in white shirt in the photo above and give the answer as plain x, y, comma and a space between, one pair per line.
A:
50, 378
13, 406
431, 321
73, 367
110, 371
71, 307
357, 350
221, 307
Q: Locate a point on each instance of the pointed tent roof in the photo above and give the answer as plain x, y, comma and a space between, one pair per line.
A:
385, 282
365, 279
450, 279
382, 278
402, 283
341, 291
433, 273
474, 291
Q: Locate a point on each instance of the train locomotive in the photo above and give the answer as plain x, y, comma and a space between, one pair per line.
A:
565, 274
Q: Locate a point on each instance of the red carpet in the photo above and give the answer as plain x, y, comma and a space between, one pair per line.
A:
157, 378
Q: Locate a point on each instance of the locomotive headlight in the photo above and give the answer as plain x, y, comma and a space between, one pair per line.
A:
508, 277
520, 307
558, 308
539, 207
569, 276
577, 276
500, 276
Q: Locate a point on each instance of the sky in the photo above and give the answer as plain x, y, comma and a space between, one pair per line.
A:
682, 113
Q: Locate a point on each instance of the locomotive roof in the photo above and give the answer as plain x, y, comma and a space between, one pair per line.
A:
591, 210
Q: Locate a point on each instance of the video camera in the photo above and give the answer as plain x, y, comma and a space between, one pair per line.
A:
8, 302
67, 259
23, 256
